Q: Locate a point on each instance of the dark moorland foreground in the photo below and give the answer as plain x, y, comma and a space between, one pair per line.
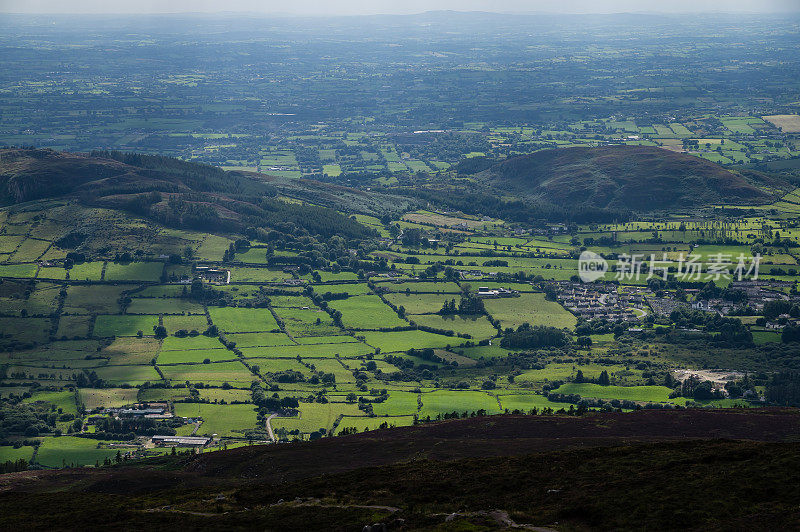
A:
691, 469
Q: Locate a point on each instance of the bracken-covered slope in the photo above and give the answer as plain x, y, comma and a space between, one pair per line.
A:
662, 470
636, 178
184, 194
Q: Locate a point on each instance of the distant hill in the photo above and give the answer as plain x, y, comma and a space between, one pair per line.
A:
636, 178
184, 194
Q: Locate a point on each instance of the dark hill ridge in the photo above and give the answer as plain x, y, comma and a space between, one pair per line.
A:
185, 194
683, 469
636, 178
27, 175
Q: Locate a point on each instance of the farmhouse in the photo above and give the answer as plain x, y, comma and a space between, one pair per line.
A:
144, 412
181, 441
213, 275
485, 291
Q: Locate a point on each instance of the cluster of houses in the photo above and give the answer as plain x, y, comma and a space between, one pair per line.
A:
763, 290
759, 292
664, 306
598, 301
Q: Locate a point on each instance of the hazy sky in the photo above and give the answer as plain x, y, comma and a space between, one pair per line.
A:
359, 7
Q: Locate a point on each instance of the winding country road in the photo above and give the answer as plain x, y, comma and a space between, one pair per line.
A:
269, 427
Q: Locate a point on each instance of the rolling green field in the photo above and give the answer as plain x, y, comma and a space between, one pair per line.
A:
345, 184
389, 342
527, 402
10, 454
477, 327
64, 401
163, 306
447, 401
75, 346
194, 356
398, 404
107, 397
135, 271
367, 312
106, 326
418, 303
223, 420
529, 308
314, 416
54, 452
653, 394
131, 375
243, 319
218, 373
307, 322
364, 424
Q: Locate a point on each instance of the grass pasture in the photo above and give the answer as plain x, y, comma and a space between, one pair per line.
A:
133, 375
390, 342
419, 303
134, 271
478, 326
194, 356
398, 404
314, 416
131, 351
64, 401
448, 401
73, 327
364, 424
527, 402
10, 454
230, 319
349, 349
307, 322
107, 397
35, 330
93, 299
224, 420
86, 271
173, 324
164, 306
653, 394
215, 374
128, 325
367, 312
265, 339
55, 452
172, 343
530, 308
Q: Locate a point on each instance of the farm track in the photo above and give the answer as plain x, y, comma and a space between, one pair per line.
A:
268, 425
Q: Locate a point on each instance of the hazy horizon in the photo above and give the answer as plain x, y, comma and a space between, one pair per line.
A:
391, 7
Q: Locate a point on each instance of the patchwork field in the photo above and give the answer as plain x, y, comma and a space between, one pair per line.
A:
529, 308
442, 402
223, 420
103, 334
367, 312
243, 319
787, 123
